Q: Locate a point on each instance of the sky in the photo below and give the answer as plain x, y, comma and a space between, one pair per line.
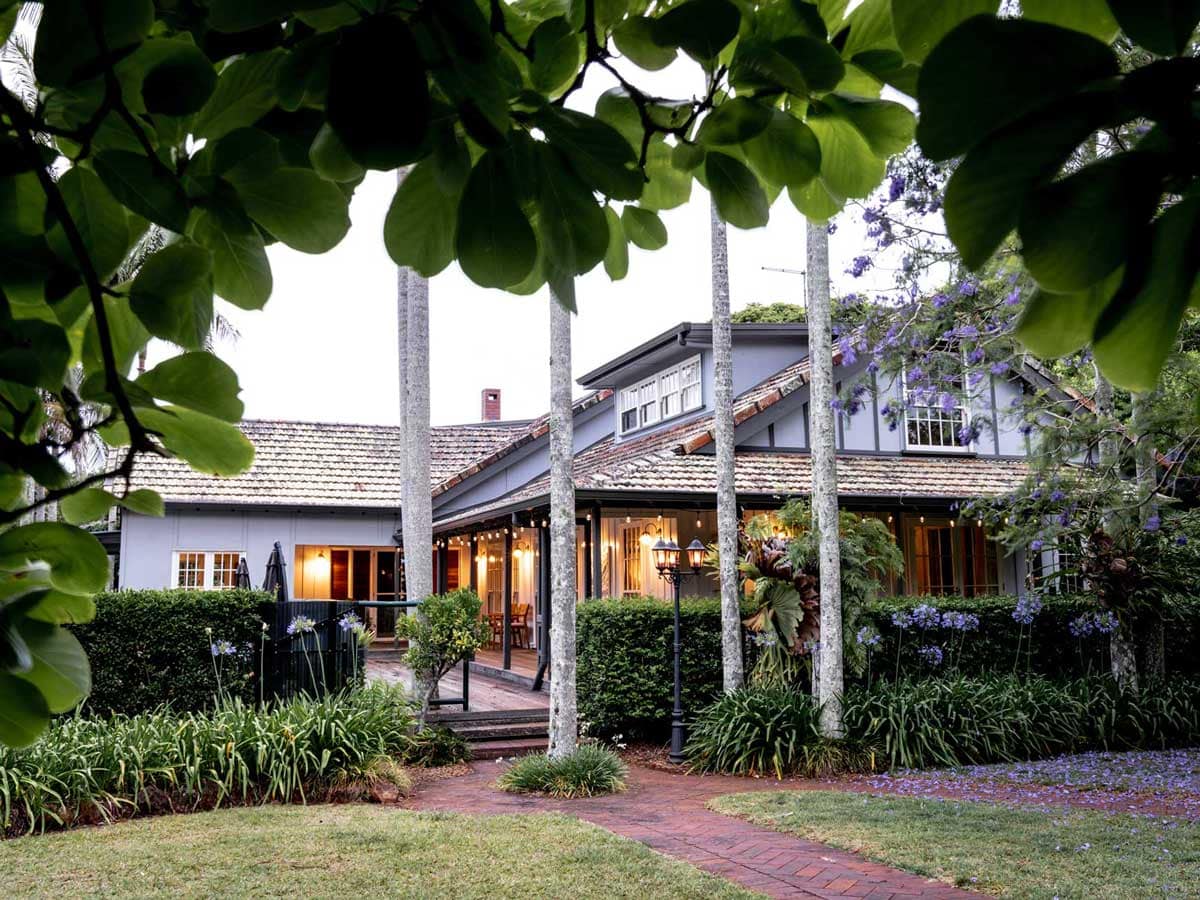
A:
324, 348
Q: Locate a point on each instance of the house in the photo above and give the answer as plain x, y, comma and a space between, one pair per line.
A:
644, 469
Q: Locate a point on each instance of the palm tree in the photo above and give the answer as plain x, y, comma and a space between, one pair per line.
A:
824, 477
564, 730
727, 517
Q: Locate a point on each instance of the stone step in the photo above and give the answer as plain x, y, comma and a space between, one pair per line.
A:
512, 731
508, 748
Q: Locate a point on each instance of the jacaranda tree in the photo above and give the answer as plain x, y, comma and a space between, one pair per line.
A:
233, 125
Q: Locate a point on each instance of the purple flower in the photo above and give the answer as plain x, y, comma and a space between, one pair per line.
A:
975, 356
901, 619
849, 356
351, 622
926, 616
859, 265
1106, 622
1057, 496
867, 636
931, 654
949, 403
831, 228
1027, 609
1013, 298
940, 300
301, 625
895, 188
1153, 523
223, 648
967, 289
1036, 544
1082, 626
1181, 540
999, 368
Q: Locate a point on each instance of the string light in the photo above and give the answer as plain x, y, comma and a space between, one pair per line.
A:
699, 524
922, 520
889, 518
951, 523
628, 519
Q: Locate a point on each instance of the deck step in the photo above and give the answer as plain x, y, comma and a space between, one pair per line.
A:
478, 733
507, 748
456, 718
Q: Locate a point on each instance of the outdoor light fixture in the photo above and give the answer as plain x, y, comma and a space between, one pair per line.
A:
699, 524
628, 519
666, 560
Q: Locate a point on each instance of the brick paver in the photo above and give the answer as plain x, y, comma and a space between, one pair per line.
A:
666, 812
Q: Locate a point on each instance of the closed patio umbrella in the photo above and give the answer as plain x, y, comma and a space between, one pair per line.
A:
241, 579
275, 582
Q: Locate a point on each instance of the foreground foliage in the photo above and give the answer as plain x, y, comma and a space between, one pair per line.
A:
589, 771
995, 849
87, 770
939, 722
351, 850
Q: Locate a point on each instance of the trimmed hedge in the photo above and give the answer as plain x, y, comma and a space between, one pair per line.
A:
1047, 647
625, 672
147, 648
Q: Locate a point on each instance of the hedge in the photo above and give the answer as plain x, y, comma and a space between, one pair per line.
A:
147, 648
1047, 646
625, 673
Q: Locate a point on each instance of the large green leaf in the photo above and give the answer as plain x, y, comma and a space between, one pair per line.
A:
66, 50
1029, 65
198, 381
494, 242
1161, 26
419, 229
635, 38
100, 220
77, 561
849, 168
739, 197
616, 256
786, 153
241, 271
920, 24
206, 444
299, 207
870, 28
144, 502
815, 201
173, 294
986, 191
24, 713
378, 99
33, 352
1077, 230
245, 92
86, 505
668, 186
734, 122
1089, 16
60, 667
246, 154
147, 191
616, 108
644, 228
331, 159
799, 65
126, 332
59, 608
557, 53
887, 126
1053, 325
701, 28
179, 80
571, 224
1138, 329
598, 152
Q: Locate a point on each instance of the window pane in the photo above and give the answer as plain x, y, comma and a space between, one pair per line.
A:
225, 569
190, 574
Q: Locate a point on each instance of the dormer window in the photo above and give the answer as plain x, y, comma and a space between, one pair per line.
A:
936, 413
669, 393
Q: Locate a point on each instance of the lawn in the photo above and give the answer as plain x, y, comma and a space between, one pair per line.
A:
347, 850
991, 848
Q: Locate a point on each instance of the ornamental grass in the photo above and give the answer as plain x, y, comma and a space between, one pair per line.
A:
88, 770
590, 771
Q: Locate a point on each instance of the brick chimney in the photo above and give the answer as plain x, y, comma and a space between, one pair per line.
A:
491, 405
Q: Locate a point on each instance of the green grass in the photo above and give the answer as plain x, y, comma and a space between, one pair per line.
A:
347, 851
588, 772
1005, 852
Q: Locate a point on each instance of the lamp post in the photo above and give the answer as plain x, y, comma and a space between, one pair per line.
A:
666, 560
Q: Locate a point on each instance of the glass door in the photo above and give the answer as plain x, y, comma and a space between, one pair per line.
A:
387, 587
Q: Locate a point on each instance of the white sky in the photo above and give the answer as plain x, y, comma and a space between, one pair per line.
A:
324, 348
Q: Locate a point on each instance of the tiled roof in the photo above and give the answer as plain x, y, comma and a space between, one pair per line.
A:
324, 464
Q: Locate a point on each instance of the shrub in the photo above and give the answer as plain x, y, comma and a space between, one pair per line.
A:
769, 729
446, 630
1047, 647
437, 746
588, 772
147, 647
625, 669
87, 769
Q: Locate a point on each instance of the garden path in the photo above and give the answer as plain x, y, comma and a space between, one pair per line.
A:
667, 812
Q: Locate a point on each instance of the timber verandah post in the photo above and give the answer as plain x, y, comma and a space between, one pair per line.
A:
506, 599
474, 568
596, 537
543, 648
443, 566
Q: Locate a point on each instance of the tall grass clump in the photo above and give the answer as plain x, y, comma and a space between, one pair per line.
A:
770, 729
590, 771
90, 770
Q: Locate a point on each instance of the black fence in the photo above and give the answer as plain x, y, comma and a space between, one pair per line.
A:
312, 658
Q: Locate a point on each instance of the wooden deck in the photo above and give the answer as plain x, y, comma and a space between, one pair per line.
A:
524, 662
487, 694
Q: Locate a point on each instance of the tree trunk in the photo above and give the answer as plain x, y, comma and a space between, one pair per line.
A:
564, 728
416, 499
824, 476
1149, 632
727, 517
402, 381
1123, 659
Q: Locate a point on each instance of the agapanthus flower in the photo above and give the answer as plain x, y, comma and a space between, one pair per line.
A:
1082, 626
1027, 609
960, 621
901, 619
926, 616
765, 639
867, 636
223, 648
1106, 621
351, 622
931, 653
301, 625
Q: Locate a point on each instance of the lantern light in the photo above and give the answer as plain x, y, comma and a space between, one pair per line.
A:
695, 552
666, 555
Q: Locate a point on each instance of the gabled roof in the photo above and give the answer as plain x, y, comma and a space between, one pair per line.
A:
323, 464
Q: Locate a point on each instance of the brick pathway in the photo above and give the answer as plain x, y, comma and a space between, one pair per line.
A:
666, 811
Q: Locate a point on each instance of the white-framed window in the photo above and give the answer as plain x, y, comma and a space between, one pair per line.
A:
669, 393
197, 570
931, 420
